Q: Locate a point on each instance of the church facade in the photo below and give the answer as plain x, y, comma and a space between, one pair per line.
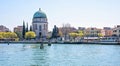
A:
40, 24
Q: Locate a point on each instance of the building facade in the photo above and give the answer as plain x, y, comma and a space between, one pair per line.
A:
18, 29
40, 24
116, 31
4, 29
81, 28
93, 32
108, 31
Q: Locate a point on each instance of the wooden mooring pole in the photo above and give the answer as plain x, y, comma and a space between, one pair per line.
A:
41, 46
49, 43
8, 42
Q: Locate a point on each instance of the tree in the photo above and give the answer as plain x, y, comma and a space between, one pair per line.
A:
55, 32
1, 36
30, 28
23, 32
27, 28
30, 35
100, 35
74, 35
60, 33
13, 35
8, 35
80, 33
66, 29
19, 34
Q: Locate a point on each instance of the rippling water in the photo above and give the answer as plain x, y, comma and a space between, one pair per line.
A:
59, 55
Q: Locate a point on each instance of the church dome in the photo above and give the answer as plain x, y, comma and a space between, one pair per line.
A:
39, 14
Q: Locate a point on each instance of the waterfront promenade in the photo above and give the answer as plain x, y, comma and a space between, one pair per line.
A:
46, 42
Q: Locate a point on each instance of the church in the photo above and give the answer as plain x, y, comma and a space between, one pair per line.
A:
40, 24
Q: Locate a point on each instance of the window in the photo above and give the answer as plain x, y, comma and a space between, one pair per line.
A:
34, 19
42, 19
44, 26
39, 27
92, 28
115, 31
35, 26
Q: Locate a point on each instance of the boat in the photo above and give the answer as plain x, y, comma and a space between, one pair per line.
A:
109, 40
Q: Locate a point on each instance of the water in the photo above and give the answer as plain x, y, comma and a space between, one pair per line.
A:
59, 55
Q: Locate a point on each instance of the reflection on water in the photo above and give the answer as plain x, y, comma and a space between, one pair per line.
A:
59, 55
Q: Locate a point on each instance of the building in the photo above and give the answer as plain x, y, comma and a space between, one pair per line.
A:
18, 29
4, 29
116, 31
65, 32
40, 24
108, 31
81, 28
93, 32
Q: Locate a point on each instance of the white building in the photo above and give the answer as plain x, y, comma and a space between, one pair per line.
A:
40, 24
116, 31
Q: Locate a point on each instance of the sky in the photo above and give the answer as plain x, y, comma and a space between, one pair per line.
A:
78, 13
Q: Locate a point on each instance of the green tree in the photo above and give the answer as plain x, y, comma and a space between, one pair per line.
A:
1, 36
30, 35
74, 35
80, 33
100, 35
13, 35
19, 34
60, 33
30, 28
23, 31
26, 28
8, 35
55, 32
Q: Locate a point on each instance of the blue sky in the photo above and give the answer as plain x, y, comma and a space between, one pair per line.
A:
78, 13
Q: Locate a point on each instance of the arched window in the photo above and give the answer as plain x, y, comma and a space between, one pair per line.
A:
44, 27
35, 26
39, 27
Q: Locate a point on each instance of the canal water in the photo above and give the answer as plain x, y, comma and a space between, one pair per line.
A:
59, 55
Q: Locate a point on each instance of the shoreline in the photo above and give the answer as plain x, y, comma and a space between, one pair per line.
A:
37, 42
